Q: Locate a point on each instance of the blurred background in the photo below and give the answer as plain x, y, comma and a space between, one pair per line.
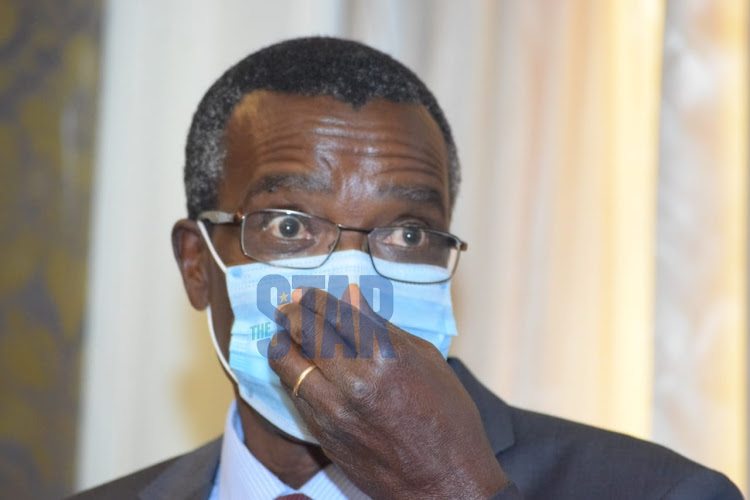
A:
604, 146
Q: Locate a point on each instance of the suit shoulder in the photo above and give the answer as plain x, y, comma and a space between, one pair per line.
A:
538, 430
127, 486
597, 463
193, 470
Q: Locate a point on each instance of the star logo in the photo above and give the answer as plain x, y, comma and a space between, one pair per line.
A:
284, 297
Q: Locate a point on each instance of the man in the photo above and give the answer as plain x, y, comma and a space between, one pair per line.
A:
320, 177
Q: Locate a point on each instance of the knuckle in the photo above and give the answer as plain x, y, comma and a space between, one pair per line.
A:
341, 413
307, 324
277, 353
330, 408
286, 315
362, 391
314, 299
276, 364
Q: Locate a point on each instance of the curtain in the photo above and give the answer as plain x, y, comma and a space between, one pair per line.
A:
701, 315
604, 160
48, 88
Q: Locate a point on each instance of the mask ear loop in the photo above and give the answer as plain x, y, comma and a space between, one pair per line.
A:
207, 239
217, 259
222, 359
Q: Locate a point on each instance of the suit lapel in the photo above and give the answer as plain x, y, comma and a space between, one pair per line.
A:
190, 476
496, 415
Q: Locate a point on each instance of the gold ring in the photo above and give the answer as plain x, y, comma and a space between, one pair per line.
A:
302, 376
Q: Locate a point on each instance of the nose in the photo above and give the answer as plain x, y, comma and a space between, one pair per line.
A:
352, 239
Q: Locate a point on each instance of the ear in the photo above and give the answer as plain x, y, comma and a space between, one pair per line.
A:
190, 251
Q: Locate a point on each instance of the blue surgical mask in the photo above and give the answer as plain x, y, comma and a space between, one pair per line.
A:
256, 289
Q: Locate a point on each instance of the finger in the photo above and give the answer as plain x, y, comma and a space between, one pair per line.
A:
301, 324
376, 336
357, 328
398, 340
317, 397
313, 386
340, 328
326, 329
353, 295
321, 324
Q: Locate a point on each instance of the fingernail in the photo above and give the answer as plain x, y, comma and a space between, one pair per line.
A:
352, 295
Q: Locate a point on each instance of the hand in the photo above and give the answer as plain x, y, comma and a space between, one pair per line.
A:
398, 427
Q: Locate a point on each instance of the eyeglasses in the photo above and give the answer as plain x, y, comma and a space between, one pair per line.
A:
296, 240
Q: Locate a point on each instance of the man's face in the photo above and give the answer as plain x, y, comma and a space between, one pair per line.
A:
384, 164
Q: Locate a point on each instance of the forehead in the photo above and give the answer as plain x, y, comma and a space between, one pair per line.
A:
259, 112
271, 131
320, 122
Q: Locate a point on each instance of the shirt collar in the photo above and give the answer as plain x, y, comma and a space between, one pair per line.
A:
241, 475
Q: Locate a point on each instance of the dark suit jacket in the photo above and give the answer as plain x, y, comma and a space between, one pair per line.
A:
546, 457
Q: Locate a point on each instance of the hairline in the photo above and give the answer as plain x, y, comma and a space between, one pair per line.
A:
233, 115
206, 146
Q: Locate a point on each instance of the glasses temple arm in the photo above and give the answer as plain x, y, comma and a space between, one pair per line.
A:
219, 217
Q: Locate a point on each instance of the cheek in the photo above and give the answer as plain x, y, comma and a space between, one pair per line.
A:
227, 243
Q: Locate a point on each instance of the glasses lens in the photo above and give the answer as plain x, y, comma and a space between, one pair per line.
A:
288, 239
414, 254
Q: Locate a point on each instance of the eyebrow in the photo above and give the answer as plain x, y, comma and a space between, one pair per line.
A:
317, 183
304, 182
414, 193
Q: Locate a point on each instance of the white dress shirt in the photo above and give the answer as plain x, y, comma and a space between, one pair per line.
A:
242, 476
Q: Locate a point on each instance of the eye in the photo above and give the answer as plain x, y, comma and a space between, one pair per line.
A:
406, 237
287, 227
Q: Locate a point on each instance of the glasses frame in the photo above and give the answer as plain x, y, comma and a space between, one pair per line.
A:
220, 217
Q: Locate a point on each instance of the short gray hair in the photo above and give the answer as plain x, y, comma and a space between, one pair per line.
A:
345, 70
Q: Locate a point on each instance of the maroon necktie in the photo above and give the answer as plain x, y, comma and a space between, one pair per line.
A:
294, 496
